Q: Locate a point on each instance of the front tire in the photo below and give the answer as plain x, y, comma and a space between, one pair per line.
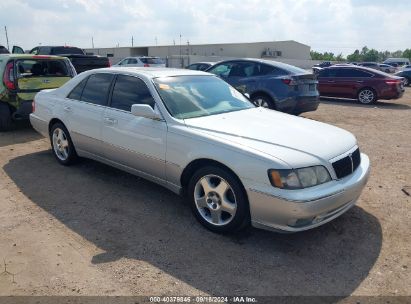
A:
6, 123
218, 200
367, 96
62, 145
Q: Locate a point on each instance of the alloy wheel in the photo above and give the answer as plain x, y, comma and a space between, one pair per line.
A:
261, 102
366, 96
215, 200
60, 144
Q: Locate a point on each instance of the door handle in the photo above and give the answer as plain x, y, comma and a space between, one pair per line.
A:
67, 109
330, 81
110, 121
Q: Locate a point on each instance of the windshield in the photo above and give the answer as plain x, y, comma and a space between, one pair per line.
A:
196, 96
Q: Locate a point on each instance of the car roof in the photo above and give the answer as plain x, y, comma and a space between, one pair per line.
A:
153, 72
204, 62
31, 56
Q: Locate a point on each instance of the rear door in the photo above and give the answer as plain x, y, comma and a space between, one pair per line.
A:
35, 74
136, 142
326, 82
84, 110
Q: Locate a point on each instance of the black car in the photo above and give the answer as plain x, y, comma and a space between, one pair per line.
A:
271, 84
3, 50
78, 58
406, 74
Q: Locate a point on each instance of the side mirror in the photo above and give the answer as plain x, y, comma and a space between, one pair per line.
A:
144, 110
17, 50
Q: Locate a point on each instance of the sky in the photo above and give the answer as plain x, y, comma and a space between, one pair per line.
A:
339, 26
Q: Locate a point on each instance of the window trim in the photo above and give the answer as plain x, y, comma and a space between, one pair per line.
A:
112, 89
87, 79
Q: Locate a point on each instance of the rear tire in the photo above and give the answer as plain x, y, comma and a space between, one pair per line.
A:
367, 96
6, 123
218, 200
263, 101
62, 145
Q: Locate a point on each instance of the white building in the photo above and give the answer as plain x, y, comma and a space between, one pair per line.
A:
180, 55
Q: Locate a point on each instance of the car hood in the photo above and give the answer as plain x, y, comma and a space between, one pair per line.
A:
295, 140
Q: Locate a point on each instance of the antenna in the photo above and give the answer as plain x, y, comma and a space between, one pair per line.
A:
7, 37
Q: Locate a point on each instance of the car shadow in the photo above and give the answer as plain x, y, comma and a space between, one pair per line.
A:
128, 217
355, 103
22, 133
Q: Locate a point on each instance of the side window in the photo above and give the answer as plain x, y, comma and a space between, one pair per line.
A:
329, 73
358, 73
34, 51
242, 69
130, 90
265, 69
78, 89
192, 66
222, 69
132, 61
323, 73
97, 89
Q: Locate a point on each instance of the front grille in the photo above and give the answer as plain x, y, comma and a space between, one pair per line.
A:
347, 165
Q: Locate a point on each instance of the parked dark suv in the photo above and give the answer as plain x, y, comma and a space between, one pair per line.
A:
364, 84
271, 84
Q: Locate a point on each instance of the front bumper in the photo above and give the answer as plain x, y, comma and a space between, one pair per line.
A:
299, 210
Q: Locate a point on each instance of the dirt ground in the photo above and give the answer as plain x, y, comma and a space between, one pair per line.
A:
90, 229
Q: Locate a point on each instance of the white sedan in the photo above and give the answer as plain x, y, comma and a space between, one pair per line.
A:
191, 132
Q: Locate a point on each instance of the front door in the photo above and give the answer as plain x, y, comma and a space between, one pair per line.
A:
136, 142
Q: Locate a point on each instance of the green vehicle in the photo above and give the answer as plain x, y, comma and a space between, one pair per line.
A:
21, 77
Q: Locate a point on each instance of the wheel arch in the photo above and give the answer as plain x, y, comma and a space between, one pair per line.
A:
196, 164
369, 88
53, 122
265, 94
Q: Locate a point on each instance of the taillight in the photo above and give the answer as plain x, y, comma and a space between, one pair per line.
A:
8, 76
288, 81
393, 82
146, 65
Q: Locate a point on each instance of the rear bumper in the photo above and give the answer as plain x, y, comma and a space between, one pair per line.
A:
24, 110
298, 105
39, 125
391, 94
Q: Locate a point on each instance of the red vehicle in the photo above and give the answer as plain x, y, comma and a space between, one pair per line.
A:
364, 84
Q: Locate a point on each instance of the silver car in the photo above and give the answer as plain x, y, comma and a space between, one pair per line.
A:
141, 61
193, 133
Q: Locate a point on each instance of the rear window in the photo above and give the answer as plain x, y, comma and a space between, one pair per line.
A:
152, 60
39, 68
66, 50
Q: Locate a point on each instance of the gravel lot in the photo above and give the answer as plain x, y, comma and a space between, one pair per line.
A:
94, 230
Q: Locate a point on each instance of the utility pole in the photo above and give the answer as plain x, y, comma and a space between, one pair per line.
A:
155, 38
92, 42
7, 38
132, 40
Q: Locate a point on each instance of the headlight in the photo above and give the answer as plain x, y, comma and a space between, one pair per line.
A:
299, 178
